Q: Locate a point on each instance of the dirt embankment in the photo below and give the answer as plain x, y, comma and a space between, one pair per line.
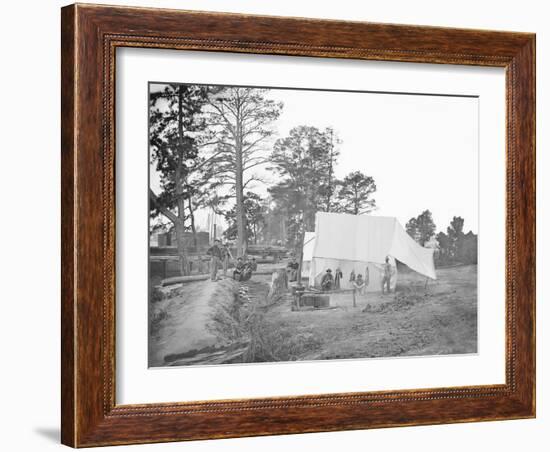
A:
198, 322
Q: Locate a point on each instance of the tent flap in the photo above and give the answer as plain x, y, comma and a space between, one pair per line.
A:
416, 257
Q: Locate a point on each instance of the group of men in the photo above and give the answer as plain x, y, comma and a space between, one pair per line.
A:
220, 256
330, 282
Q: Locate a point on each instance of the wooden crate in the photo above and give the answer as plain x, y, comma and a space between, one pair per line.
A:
315, 300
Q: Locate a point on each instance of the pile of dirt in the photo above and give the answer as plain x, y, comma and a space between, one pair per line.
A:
401, 302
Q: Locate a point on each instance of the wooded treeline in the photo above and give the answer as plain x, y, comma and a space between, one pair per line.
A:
214, 148
452, 247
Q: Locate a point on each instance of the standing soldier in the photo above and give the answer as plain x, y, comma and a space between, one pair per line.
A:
215, 253
226, 255
388, 272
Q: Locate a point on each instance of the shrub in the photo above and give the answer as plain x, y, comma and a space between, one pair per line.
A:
156, 295
269, 342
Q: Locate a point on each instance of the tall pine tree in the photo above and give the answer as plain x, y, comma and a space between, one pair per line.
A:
421, 228
175, 127
305, 161
240, 118
355, 194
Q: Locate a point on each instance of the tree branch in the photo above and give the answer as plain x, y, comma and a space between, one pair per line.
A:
254, 143
255, 162
166, 212
252, 179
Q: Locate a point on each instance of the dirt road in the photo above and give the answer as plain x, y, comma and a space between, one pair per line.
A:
189, 323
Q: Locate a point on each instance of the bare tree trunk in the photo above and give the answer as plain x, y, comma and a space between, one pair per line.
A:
180, 223
180, 230
330, 169
356, 203
193, 227
239, 207
301, 251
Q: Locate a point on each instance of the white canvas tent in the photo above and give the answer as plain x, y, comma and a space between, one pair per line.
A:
361, 243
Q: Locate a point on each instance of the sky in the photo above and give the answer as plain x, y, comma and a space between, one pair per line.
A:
421, 150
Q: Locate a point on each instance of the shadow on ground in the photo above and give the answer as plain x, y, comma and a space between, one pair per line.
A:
50, 433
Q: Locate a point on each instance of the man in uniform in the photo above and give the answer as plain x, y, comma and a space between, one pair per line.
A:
358, 286
239, 269
226, 255
327, 281
292, 269
386, 278
215, 253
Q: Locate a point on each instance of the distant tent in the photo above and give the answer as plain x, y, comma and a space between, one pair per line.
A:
360, 244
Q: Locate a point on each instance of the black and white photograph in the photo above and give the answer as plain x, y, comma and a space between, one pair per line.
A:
292, 224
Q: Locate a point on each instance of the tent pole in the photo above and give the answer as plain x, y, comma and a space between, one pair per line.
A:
301, 254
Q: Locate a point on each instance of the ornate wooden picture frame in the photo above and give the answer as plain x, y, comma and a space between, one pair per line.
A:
90, 37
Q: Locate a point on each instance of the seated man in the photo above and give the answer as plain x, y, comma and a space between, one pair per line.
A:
239, 269
246, 272
292, 269
328, 281
358, 287
254, 264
